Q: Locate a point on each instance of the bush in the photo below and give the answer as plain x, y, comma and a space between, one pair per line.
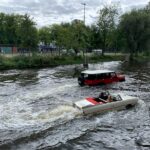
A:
146, 53
38, 61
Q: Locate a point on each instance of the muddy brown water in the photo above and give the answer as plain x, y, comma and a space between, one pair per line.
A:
36, 110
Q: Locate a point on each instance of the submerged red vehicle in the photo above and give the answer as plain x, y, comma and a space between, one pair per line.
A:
99, 77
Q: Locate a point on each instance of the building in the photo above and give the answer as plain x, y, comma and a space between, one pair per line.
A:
8, 49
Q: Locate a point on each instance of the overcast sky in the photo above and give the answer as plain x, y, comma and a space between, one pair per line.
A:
46, 12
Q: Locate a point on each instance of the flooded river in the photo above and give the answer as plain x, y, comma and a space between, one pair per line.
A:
36, 110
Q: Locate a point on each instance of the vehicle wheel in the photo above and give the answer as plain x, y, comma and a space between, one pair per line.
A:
122, 80
81, 82
129, 106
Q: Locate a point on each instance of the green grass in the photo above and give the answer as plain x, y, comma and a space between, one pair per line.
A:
41, 61
142, 57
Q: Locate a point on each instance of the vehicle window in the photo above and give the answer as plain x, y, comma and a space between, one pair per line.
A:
102, 76
99, 76
91, 76
82, 75
118, 97
113, 74
86, 76
106, 75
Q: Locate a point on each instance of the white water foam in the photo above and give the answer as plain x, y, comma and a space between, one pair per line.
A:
14, 116
64, 111
46, 92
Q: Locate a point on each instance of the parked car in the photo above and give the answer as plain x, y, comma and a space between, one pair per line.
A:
97, 51
99, 77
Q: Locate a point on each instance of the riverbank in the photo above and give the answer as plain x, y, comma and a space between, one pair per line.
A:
42, 61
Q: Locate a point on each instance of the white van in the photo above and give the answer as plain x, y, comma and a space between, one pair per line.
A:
97, 51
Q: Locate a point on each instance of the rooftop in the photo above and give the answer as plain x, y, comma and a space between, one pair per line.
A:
96, 71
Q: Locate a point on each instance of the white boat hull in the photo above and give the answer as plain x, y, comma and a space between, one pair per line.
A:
88, 106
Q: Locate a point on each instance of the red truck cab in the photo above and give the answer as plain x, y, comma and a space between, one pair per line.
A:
99, 77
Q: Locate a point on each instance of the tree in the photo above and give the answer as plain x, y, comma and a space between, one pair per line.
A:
79, 35
74, 35
56, 35
135, 28
10, 27
147, 8
28, 33
2, 30
45, 35
95, 39
106, 24
18, 30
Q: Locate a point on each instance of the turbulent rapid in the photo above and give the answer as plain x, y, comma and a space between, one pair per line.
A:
36, 110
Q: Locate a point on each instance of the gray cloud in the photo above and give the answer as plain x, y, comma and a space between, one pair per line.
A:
47, 12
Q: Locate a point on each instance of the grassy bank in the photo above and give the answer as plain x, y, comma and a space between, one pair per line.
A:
41, 61
142, 58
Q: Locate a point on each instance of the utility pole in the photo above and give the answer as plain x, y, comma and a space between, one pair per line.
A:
85, 59
84, 4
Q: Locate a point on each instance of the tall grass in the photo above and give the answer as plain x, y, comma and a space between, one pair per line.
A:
41, 61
